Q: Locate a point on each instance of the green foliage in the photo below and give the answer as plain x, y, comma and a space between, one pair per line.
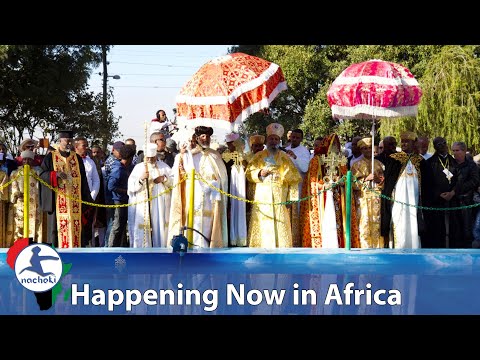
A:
45, 86
451, 94
3, 51
310, 70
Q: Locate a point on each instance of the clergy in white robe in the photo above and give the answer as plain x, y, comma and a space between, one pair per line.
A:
209, 206
235, 163
149, 199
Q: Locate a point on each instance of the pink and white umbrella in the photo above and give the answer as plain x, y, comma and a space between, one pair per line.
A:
372, 90
226, 90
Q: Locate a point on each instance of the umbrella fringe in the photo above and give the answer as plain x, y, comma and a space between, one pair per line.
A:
363, 111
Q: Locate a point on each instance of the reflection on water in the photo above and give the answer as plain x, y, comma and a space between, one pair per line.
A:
257, 284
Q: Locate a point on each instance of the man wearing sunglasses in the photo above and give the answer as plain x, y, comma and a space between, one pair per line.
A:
64, 171
163, 154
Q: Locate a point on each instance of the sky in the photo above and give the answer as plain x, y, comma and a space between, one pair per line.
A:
151, 76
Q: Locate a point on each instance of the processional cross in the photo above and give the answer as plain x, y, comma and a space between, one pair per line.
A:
235, 156
332, 161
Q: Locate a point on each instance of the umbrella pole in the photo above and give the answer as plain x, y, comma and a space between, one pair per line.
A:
26, 201
191, 208
348, 210
373, 152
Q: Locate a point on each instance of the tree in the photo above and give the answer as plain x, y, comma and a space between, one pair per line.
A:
46, 85
451, 96
448, 76
3, 51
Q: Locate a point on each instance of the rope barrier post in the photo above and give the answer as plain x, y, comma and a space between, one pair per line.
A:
348, 210
191, 208
26, 200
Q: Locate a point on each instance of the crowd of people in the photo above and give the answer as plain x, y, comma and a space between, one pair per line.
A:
278, 194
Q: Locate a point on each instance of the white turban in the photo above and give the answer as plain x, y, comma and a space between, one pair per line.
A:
151, 150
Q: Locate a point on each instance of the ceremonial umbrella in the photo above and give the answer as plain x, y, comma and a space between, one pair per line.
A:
226, 90
372, 90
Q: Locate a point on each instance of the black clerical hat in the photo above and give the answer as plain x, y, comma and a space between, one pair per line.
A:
65, 134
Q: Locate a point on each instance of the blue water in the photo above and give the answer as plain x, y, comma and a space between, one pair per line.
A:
416, 282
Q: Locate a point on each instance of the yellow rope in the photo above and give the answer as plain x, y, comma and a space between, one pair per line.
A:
9, 182
264, 203
340, 182
106, 205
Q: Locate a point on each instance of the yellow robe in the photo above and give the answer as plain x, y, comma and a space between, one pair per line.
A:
368, 203
35, 213
270, 226
3, 209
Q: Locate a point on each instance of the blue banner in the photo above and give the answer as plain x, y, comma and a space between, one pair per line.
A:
254, 282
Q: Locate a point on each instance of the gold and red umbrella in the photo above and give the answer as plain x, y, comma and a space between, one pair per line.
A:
226, 90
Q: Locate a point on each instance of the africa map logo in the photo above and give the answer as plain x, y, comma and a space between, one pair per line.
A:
39, 268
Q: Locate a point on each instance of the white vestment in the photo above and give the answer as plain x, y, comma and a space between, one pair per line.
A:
301, 163
210, 206
238, 217
153, 214
404, 217
93, 178
329, 224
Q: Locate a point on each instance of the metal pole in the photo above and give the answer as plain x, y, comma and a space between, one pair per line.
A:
26, 200
373, 153
348, 210
105, 79
191, 208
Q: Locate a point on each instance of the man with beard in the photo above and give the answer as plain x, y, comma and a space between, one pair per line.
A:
210, 206
148, 195
276, 181
63, 170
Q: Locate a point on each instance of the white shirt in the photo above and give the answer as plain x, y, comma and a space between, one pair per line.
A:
427, 155
92, 176
303, 158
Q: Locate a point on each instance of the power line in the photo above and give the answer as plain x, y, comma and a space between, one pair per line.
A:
155, 74
130, 63
163, 54
154, 52
151, 87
